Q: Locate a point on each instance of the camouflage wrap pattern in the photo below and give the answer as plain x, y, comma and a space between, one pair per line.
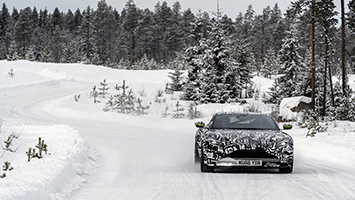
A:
223, 143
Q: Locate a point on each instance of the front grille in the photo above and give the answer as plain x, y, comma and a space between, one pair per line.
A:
257, 153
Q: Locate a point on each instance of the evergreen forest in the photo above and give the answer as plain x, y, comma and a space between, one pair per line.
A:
220, 54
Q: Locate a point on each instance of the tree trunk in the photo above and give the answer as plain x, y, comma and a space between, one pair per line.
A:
312, 64
343, 47
133, 50
327, 64
324, 88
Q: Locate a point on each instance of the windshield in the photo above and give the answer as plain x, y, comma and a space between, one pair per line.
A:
244, 121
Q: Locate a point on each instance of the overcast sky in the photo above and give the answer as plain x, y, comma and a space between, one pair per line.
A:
229, 7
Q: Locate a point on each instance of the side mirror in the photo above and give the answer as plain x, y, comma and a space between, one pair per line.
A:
287, 126
200, 124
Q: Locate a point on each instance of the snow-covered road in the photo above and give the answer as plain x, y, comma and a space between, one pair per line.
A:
149, 157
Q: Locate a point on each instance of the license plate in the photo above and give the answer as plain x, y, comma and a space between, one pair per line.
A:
249, 163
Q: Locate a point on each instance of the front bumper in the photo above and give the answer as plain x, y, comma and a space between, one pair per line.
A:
219, 156
235, 162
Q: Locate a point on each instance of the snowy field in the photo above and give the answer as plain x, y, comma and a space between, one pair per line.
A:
94, 154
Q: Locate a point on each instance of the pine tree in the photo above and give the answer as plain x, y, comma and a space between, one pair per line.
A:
218, 81
193, 57
127, 39
103, 89
291, 63
104, 23
351, 35
11, 73
271, 64
176, 78
141, 110
351, 16
325, 15
178, 111
22, 32
95, 94
246, 65
5, 37
56, 44
145, 31
87, 31
193, 113
123, 102
69, 53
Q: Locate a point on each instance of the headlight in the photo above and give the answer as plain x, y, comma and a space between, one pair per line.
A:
213, 136
283, 144
214, 142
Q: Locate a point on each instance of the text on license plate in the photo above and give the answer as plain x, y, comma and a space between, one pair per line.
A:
249, 162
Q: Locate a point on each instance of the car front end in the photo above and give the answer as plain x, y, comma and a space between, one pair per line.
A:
247, 148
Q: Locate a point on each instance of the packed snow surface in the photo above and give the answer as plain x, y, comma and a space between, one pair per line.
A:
94, 154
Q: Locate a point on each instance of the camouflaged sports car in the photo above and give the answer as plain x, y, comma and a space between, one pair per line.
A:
243, 140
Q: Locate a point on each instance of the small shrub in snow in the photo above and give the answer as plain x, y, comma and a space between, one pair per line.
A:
312, 123
123, 102
103, 89
31, 153
10, 143
140, 108
160, 93
193, 113
95, 94
7, 166
41, 146
166, 112
11, 73
142, 93
178, 111
77, 97
168, 89
159, 99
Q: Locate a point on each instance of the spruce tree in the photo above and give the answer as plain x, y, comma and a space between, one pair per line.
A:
245, 66
127, 39
291, 62
325, 15
271, 64
56, 44
87, 45
5, 39
218, 80
193, 57
176, 78
104, 23
103, 89
178, 112
22, 32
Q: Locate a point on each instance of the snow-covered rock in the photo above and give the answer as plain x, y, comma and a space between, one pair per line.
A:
292, 106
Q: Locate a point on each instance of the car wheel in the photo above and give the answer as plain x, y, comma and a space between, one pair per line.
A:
196, 157
204, 167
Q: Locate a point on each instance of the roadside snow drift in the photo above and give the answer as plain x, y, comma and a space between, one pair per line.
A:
61, 171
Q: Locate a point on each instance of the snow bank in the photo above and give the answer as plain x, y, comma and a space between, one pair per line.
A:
288, 103
55, 176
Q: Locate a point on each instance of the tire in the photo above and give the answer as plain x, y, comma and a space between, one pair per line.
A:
204, 167
197, 158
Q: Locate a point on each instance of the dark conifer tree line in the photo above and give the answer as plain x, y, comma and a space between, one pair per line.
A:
220, 53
